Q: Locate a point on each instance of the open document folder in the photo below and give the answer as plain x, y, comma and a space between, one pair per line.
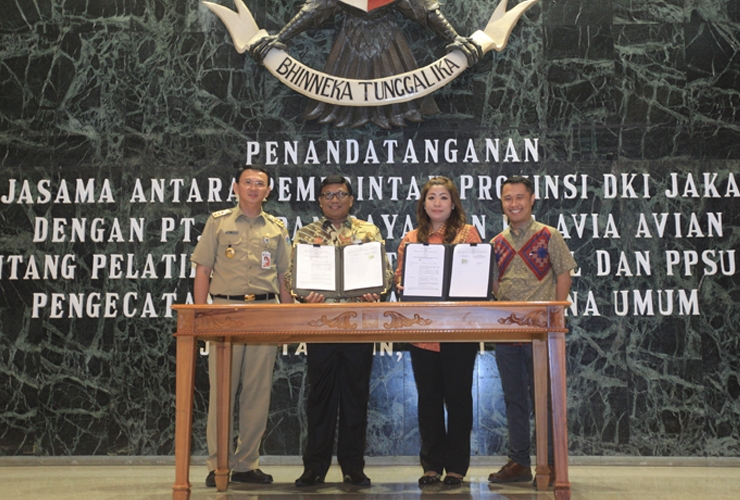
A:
447, 272
339, 272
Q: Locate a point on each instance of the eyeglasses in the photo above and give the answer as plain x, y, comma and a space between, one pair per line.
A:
250, 183
340, 195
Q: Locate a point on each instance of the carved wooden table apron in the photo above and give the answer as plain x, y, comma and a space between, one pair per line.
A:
541, 323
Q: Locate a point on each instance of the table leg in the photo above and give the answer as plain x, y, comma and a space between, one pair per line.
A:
539, 360
184, 387
556, 344
223, 414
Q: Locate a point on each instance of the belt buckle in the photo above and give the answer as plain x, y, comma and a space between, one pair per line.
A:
249, 297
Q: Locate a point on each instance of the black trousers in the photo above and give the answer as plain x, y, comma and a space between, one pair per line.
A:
339, 375
445, 379
515, 367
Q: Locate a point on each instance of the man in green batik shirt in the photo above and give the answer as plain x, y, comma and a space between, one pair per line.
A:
339, 374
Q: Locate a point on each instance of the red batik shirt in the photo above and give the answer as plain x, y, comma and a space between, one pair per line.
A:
528, 261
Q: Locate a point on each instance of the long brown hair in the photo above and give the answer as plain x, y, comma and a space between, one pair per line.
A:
454, 223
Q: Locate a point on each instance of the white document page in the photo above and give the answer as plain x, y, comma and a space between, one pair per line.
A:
471, 270
315, 267
423, 271
363, 266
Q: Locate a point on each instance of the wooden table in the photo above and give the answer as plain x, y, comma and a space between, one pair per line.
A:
541, 323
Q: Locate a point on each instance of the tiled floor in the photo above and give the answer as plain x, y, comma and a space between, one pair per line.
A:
150, 482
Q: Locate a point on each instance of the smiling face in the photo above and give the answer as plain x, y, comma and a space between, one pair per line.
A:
438, 206
337, 208
252, 188
517, 203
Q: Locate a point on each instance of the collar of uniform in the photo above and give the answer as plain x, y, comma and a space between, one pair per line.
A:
522, 230
238, 213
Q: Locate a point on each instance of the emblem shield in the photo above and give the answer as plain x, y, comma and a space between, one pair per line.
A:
367, 5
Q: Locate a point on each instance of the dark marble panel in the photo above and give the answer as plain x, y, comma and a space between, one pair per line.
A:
598, 397
583, 101
286, 427
581, 90
714, 142
384, 436
713, 69
651, 89
649, 11
583, 143
19, 385
720, 353
659, 380
579, 42
507, 89
719, 339
710, 52
17, 17
714, 10
490, 434
651, 67
411, 440
577, 12
74, 389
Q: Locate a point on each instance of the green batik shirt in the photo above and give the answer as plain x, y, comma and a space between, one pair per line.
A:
352, 231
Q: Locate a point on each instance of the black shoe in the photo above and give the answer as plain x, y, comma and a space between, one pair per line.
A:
427, 480
309, 478
452, 481
255, 476
357, 478
211, 479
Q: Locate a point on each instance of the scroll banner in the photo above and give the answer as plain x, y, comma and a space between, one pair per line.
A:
377, 92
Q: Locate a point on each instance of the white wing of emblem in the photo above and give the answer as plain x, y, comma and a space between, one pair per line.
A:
241, 24
498, 30
347, 92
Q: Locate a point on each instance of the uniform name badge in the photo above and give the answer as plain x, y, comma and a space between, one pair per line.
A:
266, 260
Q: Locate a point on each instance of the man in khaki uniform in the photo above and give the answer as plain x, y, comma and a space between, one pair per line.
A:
242, 257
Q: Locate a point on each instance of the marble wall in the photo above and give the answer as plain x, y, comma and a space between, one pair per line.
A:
634, 109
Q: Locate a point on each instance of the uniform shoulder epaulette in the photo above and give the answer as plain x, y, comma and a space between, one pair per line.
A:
274, 219
221, 213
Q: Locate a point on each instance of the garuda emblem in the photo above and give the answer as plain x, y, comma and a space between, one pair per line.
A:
370, 74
